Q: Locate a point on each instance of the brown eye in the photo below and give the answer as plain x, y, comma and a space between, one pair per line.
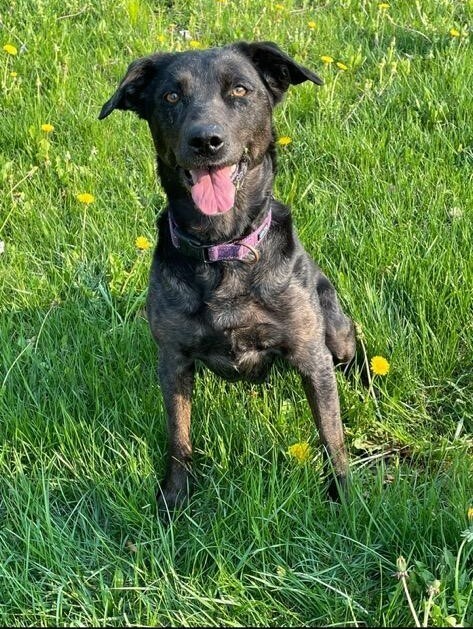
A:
171, 97
239, 91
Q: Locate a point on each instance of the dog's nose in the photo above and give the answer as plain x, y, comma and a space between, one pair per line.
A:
206, 139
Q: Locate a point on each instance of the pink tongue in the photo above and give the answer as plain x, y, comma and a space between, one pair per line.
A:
213, 191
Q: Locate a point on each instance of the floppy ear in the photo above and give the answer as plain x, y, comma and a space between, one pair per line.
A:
133, 91
277, 69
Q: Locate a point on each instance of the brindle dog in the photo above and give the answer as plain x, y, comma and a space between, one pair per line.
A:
233, 307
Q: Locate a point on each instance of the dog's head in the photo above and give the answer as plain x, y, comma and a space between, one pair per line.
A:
209, 112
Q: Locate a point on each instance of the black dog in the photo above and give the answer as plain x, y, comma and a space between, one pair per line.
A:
230, 285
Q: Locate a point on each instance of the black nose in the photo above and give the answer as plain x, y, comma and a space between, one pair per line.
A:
206, 139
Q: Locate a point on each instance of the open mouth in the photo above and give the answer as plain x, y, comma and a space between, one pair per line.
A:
213, 189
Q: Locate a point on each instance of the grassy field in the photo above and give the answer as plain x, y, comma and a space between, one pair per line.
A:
379, 174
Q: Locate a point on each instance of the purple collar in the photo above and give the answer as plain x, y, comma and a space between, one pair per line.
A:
235, 250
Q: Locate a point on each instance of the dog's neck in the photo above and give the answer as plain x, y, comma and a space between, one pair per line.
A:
252, 204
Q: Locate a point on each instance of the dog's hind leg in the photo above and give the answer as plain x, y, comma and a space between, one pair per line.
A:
176, 377
339, 329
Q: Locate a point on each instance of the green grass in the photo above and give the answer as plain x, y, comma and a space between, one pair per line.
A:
379, 177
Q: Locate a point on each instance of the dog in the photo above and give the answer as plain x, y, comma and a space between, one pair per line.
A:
230, 285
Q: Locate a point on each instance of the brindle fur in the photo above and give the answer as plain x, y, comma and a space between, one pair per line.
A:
236, 317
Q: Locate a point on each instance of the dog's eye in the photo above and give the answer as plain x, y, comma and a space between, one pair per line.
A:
239, 91
171, 97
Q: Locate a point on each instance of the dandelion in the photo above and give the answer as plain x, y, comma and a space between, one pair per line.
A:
360, 335
195, 44
455, 212
142, 243
86, 198
279, 7
383, 6
470, 513
284, 140
47, 128
402, 574
161, 38
379, 366
311, 25
300, 451
131, 547
327, 59
10, 49
341, 66
433, 589
401, 565
13, 75
454, 32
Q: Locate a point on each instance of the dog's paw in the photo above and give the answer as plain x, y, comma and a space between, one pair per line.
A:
338, 488
173, 496
171, 500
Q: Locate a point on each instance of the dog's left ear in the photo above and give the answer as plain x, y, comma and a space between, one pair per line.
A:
277, 69
133, 91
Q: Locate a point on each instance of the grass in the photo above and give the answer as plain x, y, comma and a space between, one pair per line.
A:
379, 176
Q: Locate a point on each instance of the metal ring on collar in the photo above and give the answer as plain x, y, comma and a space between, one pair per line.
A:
254, 251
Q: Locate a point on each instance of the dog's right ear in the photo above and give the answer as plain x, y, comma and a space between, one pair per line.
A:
134, 90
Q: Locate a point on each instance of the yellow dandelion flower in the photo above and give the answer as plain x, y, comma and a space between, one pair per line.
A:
161, 38
311, 25
284, 140
470, 513
383, 6
341, 66
85, 197
142, 243
195, 44
13, 75
300, 451
327, 59
379, 366
47, 128
10, 49
454, 32
279, 7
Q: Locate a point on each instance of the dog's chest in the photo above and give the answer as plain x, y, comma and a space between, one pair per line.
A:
239, 338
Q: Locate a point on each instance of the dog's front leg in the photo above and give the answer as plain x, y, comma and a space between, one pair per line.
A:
176, 377
320, 385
